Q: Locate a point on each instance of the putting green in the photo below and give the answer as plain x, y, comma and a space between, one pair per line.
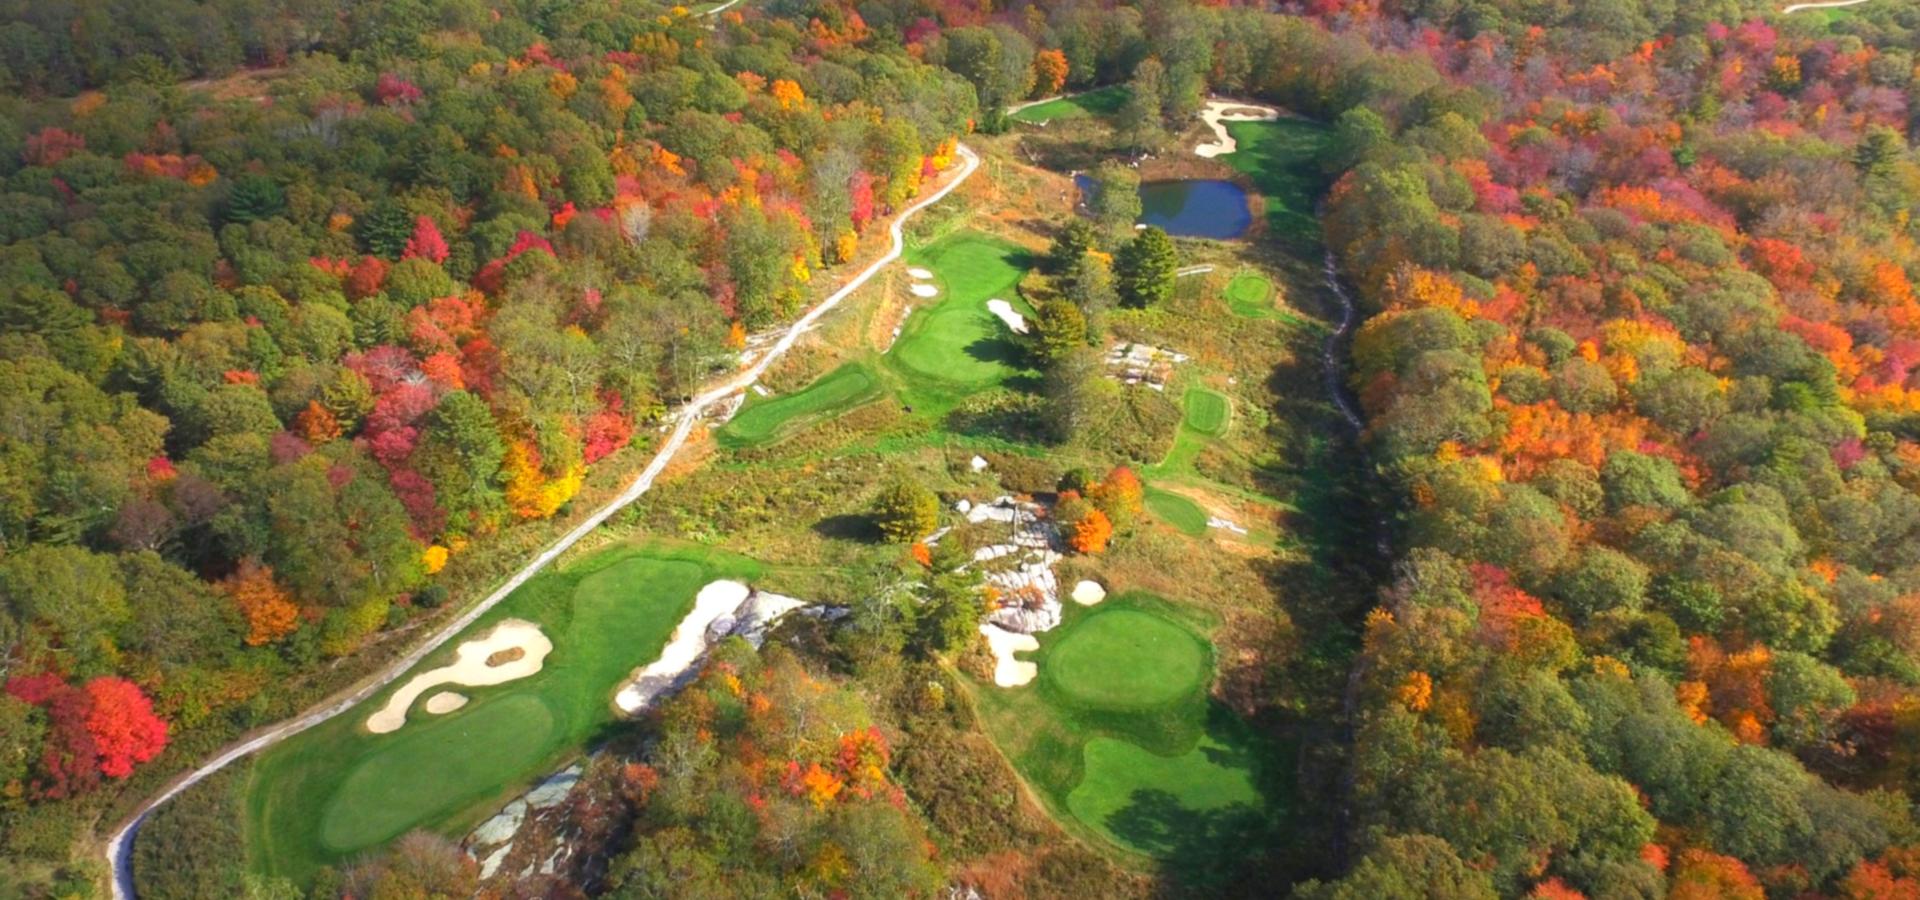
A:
1101, 102
1208, 411
760, 422
1159, 805
1250, 294
336, 791
1122, 744
956, 344
507, 735
1126, 659
1182, 514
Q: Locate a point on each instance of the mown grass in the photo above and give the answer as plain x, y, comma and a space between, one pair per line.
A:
955, 347
1250, 294
1281, 159
1177, 512
1130, 751
765, 421
1207, 411
1100, 102
337, 790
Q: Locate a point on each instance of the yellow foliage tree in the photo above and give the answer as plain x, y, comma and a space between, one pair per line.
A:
269, 610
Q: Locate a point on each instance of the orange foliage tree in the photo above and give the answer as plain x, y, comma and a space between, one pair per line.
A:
270, 612
1049, 72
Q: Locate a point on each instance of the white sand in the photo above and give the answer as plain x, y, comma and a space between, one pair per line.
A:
445, 702
920, 273
1007, 671
470, 669
1217, 112
1088, 593
1005, 311
684, 648
924, 290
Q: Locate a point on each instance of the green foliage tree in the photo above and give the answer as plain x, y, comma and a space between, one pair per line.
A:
1144, 268
906, 511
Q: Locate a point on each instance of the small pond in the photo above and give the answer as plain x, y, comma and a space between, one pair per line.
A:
1196, 207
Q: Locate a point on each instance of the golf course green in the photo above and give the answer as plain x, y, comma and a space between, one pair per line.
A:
1178, 512
955, 347
1208, 411
338, 790
1102, 102
1281, 158
764, 421
1123, 744
1250, 294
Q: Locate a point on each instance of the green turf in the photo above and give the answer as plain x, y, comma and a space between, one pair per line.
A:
1123, 745
764, 421
1125, 659
1207, 411
1250, 294
1102, 102
954, 347
1164, 806
1281, 158
337, 790
1178, 512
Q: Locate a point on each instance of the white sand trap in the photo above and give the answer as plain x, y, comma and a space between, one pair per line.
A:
445, 702
1005, 311
684, 648
1218, 112
924, 290
1007, 671
920, 273
1088, 593
470, 669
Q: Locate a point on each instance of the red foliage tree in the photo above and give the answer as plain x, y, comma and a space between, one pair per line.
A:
125, 731
426, 242
366, 278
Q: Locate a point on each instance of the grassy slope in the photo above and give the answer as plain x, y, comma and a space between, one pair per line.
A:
1278, 158
1177, 512
337, 790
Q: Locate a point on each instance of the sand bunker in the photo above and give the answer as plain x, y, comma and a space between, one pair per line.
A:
1221, 111
445, 702
920, 273
684, 648
1004, 310
924, 290
1007, 671
1088, 593
470, 669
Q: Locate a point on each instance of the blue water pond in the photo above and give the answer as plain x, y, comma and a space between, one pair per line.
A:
1197, 207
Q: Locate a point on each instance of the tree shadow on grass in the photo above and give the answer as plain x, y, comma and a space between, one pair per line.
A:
848, 527
1204, 850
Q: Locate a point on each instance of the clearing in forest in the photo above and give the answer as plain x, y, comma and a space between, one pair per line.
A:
1124, 745
338, 790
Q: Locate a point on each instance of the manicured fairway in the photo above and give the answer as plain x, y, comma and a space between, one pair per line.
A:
1160, 805
337, 791
764, 421
1123, 745
1125, 659
1281, 158
956, 346
1208, 411
1103, 102
1178, 512
1250, 294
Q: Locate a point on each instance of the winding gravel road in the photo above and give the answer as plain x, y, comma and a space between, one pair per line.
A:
120, 847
